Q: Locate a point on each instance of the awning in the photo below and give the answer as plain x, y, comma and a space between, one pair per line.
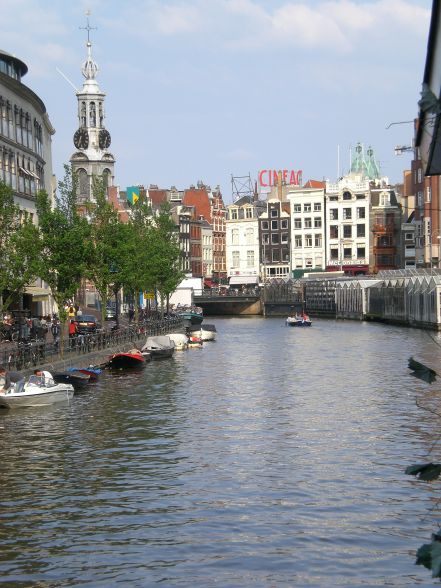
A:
38, 294
239, 280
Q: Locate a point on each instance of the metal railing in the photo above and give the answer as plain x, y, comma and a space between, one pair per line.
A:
25, 355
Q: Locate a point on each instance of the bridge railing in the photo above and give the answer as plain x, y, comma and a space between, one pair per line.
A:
227, 292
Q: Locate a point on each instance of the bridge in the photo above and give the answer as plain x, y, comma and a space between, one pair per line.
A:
272, 300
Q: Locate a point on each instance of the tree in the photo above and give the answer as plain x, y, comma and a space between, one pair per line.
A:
63, 234
19, 249
106, 250
165, 254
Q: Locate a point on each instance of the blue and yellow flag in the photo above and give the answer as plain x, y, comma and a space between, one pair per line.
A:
132, 194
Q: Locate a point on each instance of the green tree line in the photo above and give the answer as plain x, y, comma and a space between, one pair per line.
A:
71, 244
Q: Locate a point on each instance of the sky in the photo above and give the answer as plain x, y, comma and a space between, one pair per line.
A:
200, 90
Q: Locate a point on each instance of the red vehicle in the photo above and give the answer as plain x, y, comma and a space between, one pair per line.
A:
87, 323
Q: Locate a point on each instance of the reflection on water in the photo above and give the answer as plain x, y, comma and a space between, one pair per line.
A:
272, 457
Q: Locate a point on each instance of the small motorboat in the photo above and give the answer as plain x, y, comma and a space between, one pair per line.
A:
159, 347
205, 332
191, 315
127, 359
77, 379
194, 341
180, 340
37, 391
302, 320
91, 371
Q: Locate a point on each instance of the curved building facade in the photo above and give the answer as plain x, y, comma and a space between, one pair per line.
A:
25, 136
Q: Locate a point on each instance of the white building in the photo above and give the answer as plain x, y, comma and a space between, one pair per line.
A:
242, 241
207, 249
307, 228
347, 222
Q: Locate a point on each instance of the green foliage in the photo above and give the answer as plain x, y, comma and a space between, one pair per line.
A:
19, 248
64, 235
107, 248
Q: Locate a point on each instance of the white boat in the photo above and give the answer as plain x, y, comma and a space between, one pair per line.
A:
180, 340
205, 332
37, 391
159, 347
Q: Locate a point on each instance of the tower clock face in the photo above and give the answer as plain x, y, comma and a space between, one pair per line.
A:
81, 139
104, 139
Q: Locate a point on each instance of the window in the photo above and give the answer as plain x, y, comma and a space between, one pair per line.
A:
249, 235
274, 225
347, 231
235, 236
297, 223
297, 208
347, 196
298, 241
317, 222
265, 225
420, 198
284, 223
248, 213
265, 238
284, 238
408, 236
385, 199
333, 231
361, 252
361, 196
361, 212
333, 213
347, 213
361, 230
308, 240
274, 238
334, 253
347, 252
318, 240
307, 207
234, 214
428, 194
333, 198
250, 258
308, 262
420, 175
276, 255
235, 258
308, 223
274, 212
317, 206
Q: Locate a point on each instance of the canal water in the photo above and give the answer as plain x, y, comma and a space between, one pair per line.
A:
272, 457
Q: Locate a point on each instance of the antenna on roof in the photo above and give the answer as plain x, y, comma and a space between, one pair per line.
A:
67, 79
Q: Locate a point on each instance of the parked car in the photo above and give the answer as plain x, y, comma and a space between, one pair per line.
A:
87, 323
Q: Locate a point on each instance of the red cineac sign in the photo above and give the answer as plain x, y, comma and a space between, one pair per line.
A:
270, 177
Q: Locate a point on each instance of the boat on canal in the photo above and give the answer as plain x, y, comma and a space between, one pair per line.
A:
205, 332
92, 372
301, 320
77, 379
159, 347
37, 391
180, 340
191, 315
127, 359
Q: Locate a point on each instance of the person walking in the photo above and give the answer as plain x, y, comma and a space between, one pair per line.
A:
72, 333
56, 332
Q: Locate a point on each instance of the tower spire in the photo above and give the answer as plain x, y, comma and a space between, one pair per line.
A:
90, 68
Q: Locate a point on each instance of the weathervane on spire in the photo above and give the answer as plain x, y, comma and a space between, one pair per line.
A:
88, 28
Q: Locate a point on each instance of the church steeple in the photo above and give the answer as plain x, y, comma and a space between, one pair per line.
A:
92, 139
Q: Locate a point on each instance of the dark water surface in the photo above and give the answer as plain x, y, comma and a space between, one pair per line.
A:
272, 457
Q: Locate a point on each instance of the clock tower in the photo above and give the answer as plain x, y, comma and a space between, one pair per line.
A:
91, 139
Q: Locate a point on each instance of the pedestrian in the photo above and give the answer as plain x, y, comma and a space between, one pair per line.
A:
79, 312
72, 333
8, 378
131, 314
56, 331
71, 312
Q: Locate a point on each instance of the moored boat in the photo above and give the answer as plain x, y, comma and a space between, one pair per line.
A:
159, 347
180, 340
77, 379
191, 315
127, 359
205, 332
37, 391
92, 372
